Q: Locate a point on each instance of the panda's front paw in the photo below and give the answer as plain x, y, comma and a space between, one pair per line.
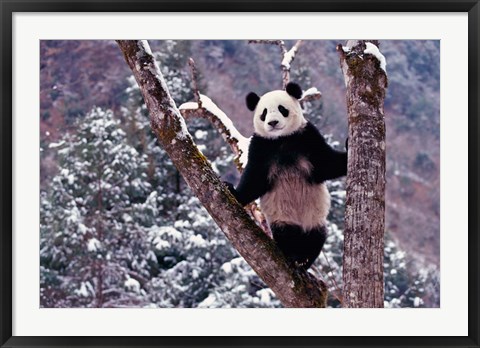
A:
230, 187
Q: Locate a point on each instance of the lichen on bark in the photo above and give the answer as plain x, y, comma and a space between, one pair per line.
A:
366, 84
293, 287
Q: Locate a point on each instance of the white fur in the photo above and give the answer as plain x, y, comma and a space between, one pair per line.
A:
286, 125
293, 200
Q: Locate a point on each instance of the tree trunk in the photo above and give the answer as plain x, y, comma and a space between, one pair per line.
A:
293, 287
364, 70
233, 138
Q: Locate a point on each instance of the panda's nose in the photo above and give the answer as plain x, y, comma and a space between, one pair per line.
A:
273, 123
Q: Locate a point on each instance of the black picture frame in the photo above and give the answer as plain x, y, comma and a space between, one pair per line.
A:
8, 7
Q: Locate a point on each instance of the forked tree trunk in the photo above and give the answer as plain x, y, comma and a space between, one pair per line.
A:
366, 81
293, 287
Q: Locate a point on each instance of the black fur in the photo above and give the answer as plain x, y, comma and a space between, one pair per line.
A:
283, 110
263, 115
285, 151
294, 90
252, 101
299, 247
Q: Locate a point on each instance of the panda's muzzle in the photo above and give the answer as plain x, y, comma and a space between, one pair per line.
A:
273, 123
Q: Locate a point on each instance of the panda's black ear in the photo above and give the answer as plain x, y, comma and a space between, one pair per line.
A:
294, 90
252, 101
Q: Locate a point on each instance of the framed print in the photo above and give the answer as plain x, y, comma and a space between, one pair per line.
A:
131, 131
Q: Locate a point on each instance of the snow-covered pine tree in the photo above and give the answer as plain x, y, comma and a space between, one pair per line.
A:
94, 250
188, 245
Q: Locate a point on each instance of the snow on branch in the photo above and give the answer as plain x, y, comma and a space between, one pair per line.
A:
210, 111
294, 287
206, 108
239, 144
374, 51
196, 92
368, 47
310, 94
287, 57
366, 83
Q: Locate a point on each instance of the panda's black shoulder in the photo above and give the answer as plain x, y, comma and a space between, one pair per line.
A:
259, 141
261, 148
312, 133
308, 138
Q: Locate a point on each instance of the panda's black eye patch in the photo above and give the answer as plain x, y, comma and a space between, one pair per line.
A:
283, 110
263, 115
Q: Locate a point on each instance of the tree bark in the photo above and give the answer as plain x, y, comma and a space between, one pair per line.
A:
187, 110
293, 287
239, 143
366, 83
287, 56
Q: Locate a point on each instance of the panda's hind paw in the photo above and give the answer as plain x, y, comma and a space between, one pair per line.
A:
302, 264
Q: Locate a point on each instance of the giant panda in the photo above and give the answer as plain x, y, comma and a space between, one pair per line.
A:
288, 164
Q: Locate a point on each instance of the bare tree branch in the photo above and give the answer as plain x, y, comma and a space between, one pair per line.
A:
288, 58
211, 112
196, 92
279, 43
365, 76
238, 143
199, 112
310, 94
295, 288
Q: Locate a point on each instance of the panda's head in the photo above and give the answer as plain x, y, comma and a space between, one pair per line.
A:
277, 113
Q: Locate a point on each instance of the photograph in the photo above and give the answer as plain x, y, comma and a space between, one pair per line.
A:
262, 173
239, 174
